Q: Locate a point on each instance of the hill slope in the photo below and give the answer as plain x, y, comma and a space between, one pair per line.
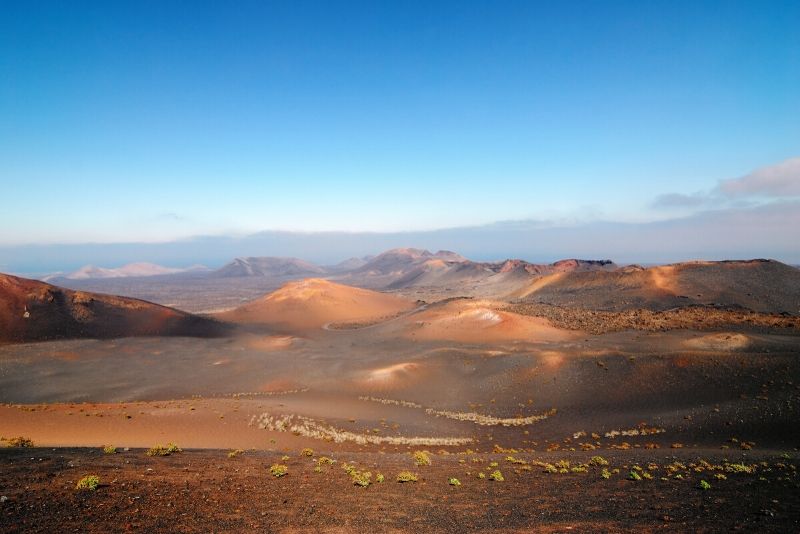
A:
759, 285
267, 266
36, 311
311, 303
453, 274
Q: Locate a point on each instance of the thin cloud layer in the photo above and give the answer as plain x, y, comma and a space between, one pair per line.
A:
765, 230
765, 184
774, 181
679, 200
756, 215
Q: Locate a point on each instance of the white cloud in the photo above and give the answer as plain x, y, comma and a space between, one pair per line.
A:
679, 200
770, 183
781, 180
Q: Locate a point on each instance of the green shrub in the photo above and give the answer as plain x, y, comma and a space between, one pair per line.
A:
598, 461
307, 452
160, 450
633, 475
109, 449
704, 485
18, 442
496, 475
234, 453
361, 478
278, 470
349, 468
89, 482
421, 458
454, 482
407, 476
157, 450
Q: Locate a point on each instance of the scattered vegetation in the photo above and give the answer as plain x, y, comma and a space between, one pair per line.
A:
278, 470
488, 420
361, 478
496, 475
478, 419
18, 442
348, 468
160, 450
704, 485
454, 481
407, 476
305, 426
89, 482
109, 449
421, 458
379, 478
307, 452
324, 460
394, 402
601, 322
234, 453
321, 461
633, 475
641, 430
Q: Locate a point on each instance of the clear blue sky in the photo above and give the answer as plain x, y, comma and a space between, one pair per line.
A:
149, 121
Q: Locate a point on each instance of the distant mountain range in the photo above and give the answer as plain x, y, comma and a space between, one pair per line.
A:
389, 267
131, 270
32, 310
761, 285
268, 266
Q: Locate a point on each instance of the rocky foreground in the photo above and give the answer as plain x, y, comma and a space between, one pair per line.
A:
302, 491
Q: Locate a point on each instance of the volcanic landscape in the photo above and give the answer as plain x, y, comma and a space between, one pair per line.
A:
406, 391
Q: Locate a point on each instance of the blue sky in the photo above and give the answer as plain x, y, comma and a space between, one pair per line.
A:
154, 121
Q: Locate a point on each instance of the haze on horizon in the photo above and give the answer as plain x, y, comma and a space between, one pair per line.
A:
648, 133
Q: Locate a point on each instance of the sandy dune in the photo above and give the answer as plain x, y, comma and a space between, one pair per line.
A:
723, 341
270, 343
309, 304
479, 321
